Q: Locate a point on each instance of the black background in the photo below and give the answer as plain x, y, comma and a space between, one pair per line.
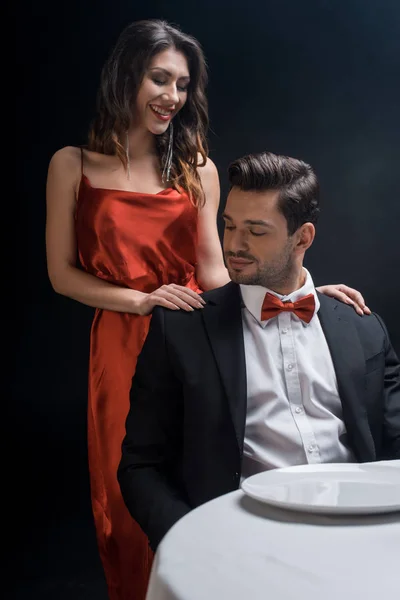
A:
318, 80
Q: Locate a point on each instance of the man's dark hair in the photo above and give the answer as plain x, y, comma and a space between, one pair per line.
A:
294, 179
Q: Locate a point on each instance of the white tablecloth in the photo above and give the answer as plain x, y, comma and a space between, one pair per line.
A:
235, 548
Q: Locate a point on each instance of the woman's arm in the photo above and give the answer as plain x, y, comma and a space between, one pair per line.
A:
211, 271
63, 180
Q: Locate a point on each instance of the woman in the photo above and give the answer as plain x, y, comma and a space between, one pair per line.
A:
138, 207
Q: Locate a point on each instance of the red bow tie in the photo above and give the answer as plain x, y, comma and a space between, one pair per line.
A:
303, 308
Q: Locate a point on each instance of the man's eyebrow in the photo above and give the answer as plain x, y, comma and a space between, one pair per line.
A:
253, 222
259, 222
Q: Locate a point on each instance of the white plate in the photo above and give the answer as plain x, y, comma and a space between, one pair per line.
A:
330, 488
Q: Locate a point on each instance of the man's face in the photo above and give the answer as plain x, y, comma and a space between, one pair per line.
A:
257, 247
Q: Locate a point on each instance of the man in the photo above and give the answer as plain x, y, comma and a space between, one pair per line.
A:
268, 374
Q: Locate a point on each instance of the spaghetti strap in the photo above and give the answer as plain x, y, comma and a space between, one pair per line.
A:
81, 161
78, 189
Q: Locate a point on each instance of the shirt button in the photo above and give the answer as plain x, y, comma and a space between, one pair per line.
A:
311, 448
298, 410
289, 367
284, 330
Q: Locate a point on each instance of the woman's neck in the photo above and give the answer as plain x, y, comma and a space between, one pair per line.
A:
141, 143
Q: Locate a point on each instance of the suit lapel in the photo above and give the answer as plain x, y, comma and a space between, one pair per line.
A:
348, 360
223, 322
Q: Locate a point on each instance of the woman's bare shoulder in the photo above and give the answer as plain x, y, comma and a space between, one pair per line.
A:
209, 176
208, 168
68, 156
68, 161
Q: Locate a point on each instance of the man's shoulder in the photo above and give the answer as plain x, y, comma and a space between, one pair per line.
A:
221, 294
218, 296
368, 324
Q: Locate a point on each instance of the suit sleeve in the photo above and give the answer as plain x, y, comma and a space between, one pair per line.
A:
391, 417
153, 439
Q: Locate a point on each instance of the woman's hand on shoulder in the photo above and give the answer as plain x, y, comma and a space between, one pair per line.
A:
346, 294
172, 296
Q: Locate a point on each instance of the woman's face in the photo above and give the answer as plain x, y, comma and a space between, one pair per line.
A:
163, 91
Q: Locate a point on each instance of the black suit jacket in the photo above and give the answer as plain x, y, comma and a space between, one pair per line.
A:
185, 428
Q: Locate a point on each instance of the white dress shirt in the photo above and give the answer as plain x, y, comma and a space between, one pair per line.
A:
294, 413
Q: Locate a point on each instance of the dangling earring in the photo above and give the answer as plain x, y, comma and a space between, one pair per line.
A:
168, 158
128, 160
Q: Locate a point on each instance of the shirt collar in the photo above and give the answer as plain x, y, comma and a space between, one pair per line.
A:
253, 297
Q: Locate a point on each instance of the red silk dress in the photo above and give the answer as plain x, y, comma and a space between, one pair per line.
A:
139, 241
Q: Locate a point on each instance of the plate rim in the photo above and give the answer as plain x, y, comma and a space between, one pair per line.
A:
323, 509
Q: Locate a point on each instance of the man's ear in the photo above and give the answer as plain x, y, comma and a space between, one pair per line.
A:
305, 236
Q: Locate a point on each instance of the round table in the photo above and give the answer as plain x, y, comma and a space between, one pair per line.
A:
235, 548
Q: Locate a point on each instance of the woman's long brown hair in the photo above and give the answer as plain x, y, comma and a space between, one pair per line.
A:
121, 78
